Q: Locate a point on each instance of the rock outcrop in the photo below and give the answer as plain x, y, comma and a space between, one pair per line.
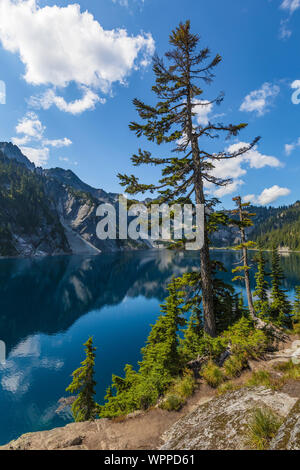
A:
288, 436
221, 424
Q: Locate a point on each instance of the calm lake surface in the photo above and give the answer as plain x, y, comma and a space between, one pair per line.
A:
50, 306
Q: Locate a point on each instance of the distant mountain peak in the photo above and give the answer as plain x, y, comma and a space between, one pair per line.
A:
12, 151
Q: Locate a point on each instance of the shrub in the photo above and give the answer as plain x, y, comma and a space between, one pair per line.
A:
291, 370
260, 378
234, 366
262, 427
212, 374
172, 402
265, 379
185, 386
297, 328
245, 340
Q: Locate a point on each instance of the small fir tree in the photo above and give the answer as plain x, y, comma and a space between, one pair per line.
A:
244, 221
84, 407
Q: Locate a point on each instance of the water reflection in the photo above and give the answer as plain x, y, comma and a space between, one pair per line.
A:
48, 308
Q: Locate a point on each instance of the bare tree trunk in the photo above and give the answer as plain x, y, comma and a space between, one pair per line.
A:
206, 278
207, 291
248, 288
245, 262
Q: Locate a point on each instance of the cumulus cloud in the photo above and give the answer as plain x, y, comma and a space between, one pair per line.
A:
39, 156
61, 45
259, 101
202, 110
50, 98
268, 195
229, 188
235, 168
289, 148
31, 126
33, 134
65, 142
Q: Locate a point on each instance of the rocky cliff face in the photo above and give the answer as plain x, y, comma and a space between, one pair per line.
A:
67, 222
13, 152
221, 424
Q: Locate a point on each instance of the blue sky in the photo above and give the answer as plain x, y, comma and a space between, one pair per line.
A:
71, 70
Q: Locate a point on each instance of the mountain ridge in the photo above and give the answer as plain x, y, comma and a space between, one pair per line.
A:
72, 205
68, 208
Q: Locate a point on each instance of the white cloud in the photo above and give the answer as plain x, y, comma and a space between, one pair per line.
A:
67, 160
125, 3
229, 188
58, 142
50, 98
290, 5
268, 195
284, 31
20, 140
61, 45
33, 133
31, 126
39, 156
235, 168
260, 100
289, 148
202, 110
253, 157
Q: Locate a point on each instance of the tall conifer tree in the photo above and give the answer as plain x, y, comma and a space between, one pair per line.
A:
172, 120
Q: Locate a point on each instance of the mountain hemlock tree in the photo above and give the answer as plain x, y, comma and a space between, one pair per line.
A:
84, 408
261, 290
281, 307
244, 221
173, 121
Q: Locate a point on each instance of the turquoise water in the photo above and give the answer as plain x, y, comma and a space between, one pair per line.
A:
49, 307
